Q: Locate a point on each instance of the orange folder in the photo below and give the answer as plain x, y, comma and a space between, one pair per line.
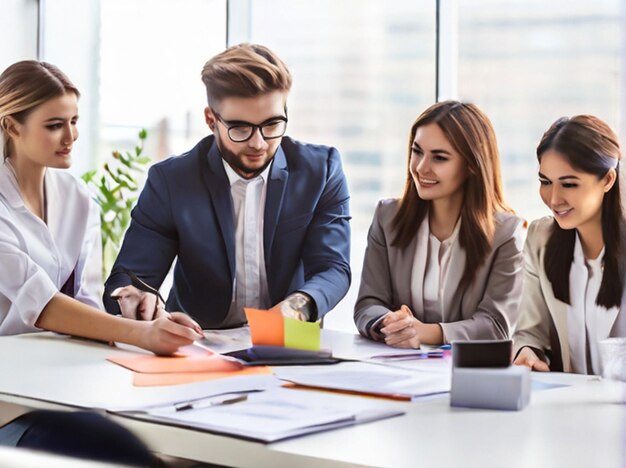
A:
190, 364
156, 380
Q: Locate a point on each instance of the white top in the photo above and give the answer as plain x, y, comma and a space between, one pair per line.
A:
436, 273
587, 322
250, 289
38, 259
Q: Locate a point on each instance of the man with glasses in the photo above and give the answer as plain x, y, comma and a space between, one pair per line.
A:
252, 217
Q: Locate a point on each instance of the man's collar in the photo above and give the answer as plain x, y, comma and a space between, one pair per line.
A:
234, 177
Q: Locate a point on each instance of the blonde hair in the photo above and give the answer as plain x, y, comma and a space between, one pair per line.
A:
244, 70
24, 86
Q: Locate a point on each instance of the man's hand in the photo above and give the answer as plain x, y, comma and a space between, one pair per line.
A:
299, 306
136, 304
528, 358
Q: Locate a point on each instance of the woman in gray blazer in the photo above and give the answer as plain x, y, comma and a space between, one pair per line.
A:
574, 266
444, 262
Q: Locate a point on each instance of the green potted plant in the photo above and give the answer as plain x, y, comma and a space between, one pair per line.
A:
115, 187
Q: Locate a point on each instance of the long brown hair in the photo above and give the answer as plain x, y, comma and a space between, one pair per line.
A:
26, 85
471, 134
589, 145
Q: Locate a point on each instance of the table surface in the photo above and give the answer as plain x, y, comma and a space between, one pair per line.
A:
581, 424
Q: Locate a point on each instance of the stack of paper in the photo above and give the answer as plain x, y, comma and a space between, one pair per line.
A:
272, 415
367, 378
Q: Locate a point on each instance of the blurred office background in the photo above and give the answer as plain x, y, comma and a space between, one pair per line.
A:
363, 70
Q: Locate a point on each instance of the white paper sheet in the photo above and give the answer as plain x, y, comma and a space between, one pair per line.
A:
368, 378
276, 414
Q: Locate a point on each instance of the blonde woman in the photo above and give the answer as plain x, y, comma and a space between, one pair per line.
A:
50, 250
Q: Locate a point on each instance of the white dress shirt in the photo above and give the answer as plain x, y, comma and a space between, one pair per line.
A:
587, 322
37, 258
250, 289
435, 274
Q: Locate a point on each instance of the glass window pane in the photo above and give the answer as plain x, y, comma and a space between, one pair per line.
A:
18, 31
528, 63
362, 73
138, 64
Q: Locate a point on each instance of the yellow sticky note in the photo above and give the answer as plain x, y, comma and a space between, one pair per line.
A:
302, 335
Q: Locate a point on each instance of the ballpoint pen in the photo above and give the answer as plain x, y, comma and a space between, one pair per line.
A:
145, 287
418, 354
207, 404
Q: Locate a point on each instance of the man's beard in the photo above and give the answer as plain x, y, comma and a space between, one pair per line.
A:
237, 164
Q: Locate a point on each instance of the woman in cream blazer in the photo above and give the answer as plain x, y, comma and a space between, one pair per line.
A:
444, 262
574, 260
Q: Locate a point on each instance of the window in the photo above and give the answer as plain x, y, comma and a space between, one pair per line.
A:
138, 64
362, 72
18, 31
527, 64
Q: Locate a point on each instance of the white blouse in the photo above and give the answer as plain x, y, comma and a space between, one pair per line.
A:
587, 322
435, 274
38, 259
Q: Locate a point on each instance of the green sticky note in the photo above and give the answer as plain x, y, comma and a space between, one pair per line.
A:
302, 335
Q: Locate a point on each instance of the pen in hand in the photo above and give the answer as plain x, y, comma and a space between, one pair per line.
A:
141, 285
145, 287
131, 300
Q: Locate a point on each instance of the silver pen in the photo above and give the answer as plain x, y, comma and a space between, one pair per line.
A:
190, 405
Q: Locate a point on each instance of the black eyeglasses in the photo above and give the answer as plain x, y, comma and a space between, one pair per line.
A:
240, 131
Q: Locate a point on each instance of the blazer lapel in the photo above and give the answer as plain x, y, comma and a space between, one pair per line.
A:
558, 310
415, 258
619, 322
276, 186
217, 184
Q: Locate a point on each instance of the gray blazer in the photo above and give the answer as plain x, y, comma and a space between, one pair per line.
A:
486, 309
543, 318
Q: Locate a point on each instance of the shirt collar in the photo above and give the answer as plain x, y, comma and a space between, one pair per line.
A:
9, 189
233, 177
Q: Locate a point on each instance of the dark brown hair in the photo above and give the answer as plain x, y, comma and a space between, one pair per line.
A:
26, 85
590, 146
244, 70
471, 134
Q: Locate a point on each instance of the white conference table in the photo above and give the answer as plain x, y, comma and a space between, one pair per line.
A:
583, 424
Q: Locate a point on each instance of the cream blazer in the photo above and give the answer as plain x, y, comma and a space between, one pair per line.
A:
543, 318
486, 309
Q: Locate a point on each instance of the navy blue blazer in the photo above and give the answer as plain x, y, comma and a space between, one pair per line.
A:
186, 210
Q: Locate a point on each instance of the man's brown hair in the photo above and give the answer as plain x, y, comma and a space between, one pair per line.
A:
244, 70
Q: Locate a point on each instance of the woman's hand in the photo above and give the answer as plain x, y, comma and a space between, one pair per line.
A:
170, 331
402, 330
527, 357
